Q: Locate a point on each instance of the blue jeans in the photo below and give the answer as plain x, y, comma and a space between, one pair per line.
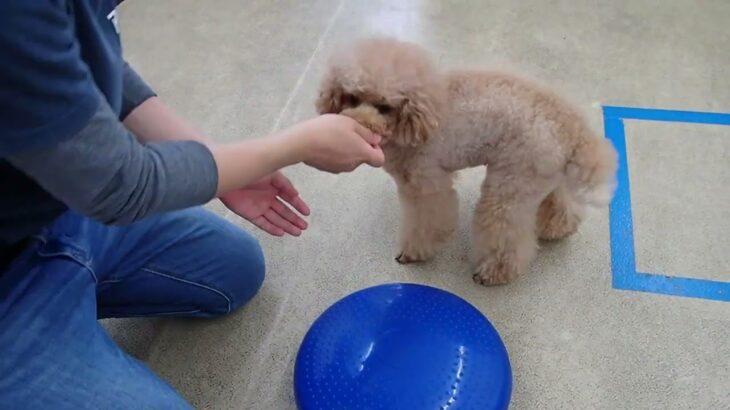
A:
53, 352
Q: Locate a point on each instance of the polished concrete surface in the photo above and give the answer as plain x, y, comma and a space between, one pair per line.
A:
240, 69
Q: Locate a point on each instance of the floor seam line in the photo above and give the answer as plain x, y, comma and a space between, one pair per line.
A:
291, 284
298, 84
295, 90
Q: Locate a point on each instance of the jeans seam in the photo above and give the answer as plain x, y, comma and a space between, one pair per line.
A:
110, 281
65, 253
156, 314
200, 285
73, 258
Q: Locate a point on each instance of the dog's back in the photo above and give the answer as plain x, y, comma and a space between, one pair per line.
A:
496, 117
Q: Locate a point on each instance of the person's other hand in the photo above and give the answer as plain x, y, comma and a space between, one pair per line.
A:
264, 204
336, 143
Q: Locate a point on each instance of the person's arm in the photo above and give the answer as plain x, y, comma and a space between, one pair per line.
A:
57, 127
147, 116
319, 142
151, 120
154, 121
105, 173
330, 143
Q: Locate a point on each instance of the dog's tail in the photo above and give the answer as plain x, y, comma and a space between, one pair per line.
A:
591, 171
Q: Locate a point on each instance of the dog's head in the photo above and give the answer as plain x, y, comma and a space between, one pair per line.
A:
387, 85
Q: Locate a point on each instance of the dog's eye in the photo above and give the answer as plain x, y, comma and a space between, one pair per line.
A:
351, 100
383, 108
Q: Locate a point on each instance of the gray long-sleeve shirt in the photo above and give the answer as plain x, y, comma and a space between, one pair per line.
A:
104, 172
64, 89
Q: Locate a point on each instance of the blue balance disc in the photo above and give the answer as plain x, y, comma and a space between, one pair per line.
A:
402, 346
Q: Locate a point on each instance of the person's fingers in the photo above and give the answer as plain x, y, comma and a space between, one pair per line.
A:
369, 137
286, 213
288, 193
376, 157
267, 226
299, 204
284, 185
282, 223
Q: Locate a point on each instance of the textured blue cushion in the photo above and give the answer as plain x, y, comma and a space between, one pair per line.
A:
402, 346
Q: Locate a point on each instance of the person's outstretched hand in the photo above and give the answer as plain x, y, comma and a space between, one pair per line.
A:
264, 204
335, 143
332, 143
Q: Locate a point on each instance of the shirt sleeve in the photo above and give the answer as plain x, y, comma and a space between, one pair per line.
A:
135, 91
105, 173
47, 93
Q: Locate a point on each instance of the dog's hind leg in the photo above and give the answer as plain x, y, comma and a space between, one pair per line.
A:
504, 226
559, 215
430, 214
589, 181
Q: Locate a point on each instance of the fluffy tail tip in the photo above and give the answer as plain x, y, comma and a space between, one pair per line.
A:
592, 172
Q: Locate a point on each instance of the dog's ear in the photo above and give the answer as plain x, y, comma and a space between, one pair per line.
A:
330, 95
418, 119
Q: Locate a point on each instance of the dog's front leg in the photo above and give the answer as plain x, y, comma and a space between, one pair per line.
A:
430, 210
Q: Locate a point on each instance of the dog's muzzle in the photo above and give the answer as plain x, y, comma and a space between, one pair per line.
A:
369, 117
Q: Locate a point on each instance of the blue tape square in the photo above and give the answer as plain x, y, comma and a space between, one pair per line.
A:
623, 256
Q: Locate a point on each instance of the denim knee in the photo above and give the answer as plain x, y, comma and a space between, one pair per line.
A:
244, 269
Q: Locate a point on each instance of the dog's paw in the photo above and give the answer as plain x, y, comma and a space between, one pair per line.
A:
494, 274
555, 220
412, 252
557, 228
404, 259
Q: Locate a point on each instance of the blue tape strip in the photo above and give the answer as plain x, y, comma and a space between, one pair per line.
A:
650, 114
623, 256
676, 286
621, 220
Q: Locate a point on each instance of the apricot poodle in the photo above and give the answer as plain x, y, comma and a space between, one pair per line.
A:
544, 164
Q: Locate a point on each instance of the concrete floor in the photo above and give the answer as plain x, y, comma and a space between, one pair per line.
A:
243, 69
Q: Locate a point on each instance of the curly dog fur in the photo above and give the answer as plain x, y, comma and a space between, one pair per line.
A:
544, 163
